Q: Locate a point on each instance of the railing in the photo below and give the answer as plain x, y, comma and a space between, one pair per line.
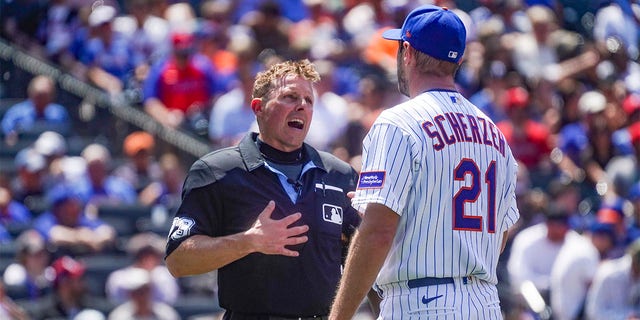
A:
116, 105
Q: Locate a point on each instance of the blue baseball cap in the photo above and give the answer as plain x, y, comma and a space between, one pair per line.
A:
433, 30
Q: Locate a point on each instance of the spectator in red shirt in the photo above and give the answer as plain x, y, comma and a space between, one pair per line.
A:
529, 139
180, 89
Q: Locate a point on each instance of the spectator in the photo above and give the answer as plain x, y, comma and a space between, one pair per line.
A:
28, 186
529, 138
603, 238
140, 304
140, 169
107, 53
56, 30
535, 249
29, 276
180, 89
147, 250
69, 296
9, 309
147, 34
611, 212
37, 113
68, 228
14, 216
533, 55
571, 276
614, 293
330, 113
231, 116
100, 186
576, 141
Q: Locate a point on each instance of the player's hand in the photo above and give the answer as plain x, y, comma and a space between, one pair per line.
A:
272, 236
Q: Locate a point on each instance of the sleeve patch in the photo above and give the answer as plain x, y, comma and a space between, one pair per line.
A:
181, 227
371, 180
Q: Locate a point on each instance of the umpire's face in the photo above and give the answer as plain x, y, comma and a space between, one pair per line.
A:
284, 116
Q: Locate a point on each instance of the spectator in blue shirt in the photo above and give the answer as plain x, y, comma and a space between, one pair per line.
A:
67, 227
100, 186
38, 111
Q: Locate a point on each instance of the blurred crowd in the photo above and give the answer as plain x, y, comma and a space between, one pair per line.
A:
560, 78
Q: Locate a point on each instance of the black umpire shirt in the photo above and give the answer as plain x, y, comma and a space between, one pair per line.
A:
224, 193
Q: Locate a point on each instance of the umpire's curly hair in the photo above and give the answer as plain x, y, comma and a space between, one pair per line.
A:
266, 80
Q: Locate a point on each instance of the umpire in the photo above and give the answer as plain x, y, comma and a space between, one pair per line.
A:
272, 213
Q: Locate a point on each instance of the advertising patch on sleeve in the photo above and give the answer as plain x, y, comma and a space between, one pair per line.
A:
371, 180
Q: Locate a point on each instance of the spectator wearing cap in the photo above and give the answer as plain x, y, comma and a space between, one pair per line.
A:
37, 113
28, 186
180, 89
67, 227
585, 147
141, 168
107, 53
100, 186
69, 296
28, 277
529, 139
147, 251
612, 212
603, 238
615, 290
139, 303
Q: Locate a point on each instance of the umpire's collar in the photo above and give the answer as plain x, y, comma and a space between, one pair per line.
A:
253, 158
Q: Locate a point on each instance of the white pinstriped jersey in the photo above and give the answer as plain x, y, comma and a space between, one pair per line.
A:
443, 166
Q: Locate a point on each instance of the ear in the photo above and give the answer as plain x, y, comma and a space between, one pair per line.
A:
256, 105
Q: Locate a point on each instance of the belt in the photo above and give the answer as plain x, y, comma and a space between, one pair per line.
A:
300, 318
432, 281
230, 315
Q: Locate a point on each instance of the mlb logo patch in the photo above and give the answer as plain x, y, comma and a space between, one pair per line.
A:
331, 213
371, 180
453, 54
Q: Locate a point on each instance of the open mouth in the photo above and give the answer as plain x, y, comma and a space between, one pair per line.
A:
296, 123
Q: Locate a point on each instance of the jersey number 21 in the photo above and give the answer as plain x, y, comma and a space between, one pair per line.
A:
470, 194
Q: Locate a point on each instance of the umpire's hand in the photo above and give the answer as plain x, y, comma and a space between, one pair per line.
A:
272, 236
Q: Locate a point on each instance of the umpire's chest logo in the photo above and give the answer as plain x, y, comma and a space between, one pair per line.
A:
331, 213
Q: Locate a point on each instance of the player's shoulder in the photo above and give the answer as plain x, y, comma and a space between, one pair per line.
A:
213, 167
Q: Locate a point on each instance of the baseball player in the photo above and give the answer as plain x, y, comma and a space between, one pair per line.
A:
436, 189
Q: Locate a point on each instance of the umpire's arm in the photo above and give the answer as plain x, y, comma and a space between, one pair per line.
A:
201, 254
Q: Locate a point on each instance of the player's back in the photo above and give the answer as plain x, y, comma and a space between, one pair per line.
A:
457, 199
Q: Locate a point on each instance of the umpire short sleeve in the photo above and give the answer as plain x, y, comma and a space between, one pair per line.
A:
199, 210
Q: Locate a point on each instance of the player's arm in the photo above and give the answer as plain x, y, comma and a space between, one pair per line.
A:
200, 253
367, 253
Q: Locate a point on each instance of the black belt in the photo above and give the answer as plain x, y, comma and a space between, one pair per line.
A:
428, 281
230, 315
300, 318
432, 281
